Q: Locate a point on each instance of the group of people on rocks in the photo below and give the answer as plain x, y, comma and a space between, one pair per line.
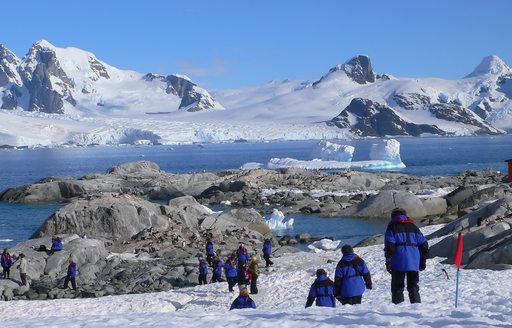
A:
57, 245
405, 251
7, 261
239, 268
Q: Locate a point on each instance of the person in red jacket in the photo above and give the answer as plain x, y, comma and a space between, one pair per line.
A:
6, 262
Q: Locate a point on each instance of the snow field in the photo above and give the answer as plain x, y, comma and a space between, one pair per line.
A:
485, 301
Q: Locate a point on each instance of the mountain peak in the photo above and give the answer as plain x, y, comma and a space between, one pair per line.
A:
360, 69
491, 65
43, 44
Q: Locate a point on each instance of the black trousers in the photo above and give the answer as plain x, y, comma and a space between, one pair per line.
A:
254, 287
216, 278
202, 279
23, 277
209, 259
351, 300
268, 262
231, 282
67, 280
398, 284
7, 273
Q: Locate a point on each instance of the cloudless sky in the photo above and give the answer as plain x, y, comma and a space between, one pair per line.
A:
224, 44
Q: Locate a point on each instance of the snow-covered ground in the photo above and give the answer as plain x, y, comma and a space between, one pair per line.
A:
485, 301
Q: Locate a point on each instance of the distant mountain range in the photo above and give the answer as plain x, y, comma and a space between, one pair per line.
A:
350, 98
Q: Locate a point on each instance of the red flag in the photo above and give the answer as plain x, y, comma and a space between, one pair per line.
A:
457, 259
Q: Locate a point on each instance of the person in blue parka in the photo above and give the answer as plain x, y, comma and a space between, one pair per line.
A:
210, 252
352, 277
56, 245
203, 271
267, 250
241, 254
71, 275
243, 301
231, 272
406, 252
217, 270
322, 290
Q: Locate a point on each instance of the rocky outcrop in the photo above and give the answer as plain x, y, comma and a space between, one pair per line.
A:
193, 98
381, 205
487, 236
358, 69
136, 178
110, 217
378, 120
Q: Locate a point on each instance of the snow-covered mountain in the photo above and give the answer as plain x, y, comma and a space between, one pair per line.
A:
72, 81
55, 96
353, 97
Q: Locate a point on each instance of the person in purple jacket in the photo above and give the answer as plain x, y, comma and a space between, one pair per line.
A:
203, 271
217, 270
406, 252
71, 275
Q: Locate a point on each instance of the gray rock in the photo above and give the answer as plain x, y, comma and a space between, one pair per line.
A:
21, 290
434, 206
381, 205
106, 217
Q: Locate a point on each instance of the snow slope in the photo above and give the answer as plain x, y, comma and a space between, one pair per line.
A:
127, 106
485, 301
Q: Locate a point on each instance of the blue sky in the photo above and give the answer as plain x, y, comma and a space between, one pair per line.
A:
222, 44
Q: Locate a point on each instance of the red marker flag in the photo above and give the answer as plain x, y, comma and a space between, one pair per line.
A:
457, 259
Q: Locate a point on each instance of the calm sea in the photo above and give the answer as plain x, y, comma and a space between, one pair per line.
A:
422, 156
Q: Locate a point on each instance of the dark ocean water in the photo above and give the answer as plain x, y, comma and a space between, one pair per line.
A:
422, 156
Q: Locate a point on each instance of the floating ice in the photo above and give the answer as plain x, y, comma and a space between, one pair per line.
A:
330, 151
325, 244
386, 150
277, 221
384, 155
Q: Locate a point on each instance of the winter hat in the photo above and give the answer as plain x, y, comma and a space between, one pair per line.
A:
22, 255
347, 249
320, 272
254, 258
399, 213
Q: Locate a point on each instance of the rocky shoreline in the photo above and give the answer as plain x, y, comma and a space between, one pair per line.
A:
138, 229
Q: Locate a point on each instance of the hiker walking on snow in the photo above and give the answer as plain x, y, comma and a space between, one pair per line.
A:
6, 262
217, 270
230, 270
241, 254
203, 271
406, 252
254, 273
351, 277
210, 253
267, 250
322, 290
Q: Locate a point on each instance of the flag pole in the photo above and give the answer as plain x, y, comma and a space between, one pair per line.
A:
457, 289
457, 260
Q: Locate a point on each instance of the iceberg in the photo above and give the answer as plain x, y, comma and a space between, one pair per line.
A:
277, 221
384, 155
325, 244
386, 150
330, 151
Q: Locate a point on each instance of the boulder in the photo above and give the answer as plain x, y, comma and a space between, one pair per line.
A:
111, 217
381, 205
434, 205
138, 167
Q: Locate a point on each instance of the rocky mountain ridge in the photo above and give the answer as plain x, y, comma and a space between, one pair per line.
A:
66, 80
